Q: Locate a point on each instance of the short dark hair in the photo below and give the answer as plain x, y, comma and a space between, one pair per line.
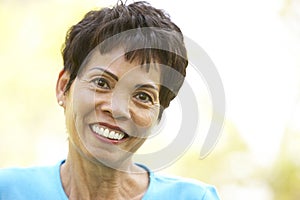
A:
98, 26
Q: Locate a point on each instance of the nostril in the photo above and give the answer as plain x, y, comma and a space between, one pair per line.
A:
116, 111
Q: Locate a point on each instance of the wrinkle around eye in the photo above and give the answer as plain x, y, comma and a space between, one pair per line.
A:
145, 95
101, 83
150, 102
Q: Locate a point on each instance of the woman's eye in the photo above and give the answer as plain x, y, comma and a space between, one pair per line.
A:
102, 83
144, 97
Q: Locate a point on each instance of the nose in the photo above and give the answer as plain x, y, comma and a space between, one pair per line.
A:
117, 106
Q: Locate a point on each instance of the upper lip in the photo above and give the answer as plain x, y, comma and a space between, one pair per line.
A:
112, 127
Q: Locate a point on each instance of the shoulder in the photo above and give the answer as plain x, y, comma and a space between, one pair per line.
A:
30, 182
10, 176
172, 187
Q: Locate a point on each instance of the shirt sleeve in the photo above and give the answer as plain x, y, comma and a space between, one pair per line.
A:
211, 194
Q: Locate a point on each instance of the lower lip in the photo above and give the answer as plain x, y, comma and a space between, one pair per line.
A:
107, 140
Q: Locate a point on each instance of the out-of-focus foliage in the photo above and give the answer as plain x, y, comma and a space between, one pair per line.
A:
230, 167
290, 12
31, 37
284, 177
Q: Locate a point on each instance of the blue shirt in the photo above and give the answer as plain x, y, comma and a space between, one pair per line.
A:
44, 183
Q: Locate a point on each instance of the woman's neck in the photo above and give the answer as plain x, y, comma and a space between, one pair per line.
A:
85, 179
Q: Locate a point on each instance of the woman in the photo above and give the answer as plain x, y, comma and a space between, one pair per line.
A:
122, 67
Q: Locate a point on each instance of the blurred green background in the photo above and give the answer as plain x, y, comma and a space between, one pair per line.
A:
255, 46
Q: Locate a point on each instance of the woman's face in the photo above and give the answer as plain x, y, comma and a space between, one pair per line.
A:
111, 107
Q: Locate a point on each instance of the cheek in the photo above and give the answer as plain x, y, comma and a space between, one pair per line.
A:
79, 103
83, 103
144, 118
70, 122
82, 99
70, 118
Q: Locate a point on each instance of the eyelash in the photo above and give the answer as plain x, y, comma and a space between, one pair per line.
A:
149, 98
103, 80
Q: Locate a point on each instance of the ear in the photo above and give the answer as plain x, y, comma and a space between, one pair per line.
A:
61, 84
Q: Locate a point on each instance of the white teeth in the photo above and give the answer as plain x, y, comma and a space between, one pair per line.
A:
107, 133
116, 136
102, 129
120, 136
111, 134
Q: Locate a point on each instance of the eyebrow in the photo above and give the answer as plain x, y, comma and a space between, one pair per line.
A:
106, 72
152, 86
146, 86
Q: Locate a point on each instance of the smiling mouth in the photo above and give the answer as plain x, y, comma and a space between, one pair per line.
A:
107, 133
